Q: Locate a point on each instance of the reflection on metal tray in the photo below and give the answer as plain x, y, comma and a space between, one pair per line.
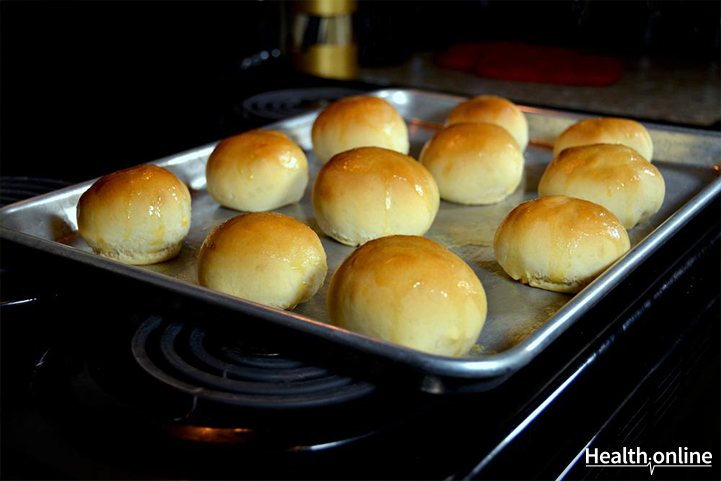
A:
521, 321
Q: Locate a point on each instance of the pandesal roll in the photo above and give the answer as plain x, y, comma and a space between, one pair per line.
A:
370, 192
263, 257
474, 163
559, 243
359, 121
255, 171
614, 176
137, 216
411, 291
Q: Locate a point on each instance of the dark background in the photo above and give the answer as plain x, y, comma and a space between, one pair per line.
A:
90, 87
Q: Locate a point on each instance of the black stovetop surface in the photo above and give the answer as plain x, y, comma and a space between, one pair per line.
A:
91, 388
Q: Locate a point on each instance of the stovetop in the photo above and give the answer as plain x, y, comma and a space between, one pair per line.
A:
96, 386
106, 379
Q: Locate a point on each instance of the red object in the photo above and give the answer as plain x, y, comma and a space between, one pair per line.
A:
530, 63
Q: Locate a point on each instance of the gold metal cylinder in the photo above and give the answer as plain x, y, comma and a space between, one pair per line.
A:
330, 61
326, 8
323, 43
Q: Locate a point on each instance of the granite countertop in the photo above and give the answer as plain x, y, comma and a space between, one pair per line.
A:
675, 91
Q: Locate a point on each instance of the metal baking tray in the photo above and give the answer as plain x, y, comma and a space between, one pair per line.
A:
522, 321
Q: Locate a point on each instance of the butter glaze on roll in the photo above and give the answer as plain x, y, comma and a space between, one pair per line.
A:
137, 216
559, 243
606, 130
474, 163
369, 192
411, 291
256, 171
267, 258
614, 176
359, 121
491, 109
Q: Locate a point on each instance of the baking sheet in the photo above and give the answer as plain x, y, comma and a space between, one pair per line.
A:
521, 320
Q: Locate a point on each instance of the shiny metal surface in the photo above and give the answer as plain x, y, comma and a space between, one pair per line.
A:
521, 321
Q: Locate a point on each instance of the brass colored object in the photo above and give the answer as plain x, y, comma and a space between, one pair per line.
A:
322, 39
330, 61
327, 8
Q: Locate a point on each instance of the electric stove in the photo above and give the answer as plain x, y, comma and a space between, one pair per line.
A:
106, 379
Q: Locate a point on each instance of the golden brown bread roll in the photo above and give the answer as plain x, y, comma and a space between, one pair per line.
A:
359, 121
474, 163
494, 110
256, 171
136, 216
411, 291
606, 130
369, 192
614, 176
267, 258
559, 243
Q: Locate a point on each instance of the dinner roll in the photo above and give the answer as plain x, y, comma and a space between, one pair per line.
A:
267, 258
369, 192
358, 121
411, 291
614, 176
491, 109
606, 130
256, 171
559, 243
474, 163
136, 216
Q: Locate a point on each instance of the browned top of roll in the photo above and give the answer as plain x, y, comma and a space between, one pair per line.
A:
132, 189
360, 121
567, 215
262, 232
256, 146
494, 110
606, 130
369, 164
359, 109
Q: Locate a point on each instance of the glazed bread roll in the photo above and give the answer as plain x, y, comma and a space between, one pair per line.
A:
136, 216
606, 130
494, 110
614, 176
267, 258
359, 121
411, 291
369, 192
257, 171
474, 163
559, 243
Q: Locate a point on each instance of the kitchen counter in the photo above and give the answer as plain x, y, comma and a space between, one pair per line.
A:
653, 89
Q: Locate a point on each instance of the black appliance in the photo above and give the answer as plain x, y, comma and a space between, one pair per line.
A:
105, 379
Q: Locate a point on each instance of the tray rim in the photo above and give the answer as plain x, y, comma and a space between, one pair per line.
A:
481, 368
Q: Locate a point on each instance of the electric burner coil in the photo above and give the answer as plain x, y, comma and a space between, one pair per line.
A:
187, 359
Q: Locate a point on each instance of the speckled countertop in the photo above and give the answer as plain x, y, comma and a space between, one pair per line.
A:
675, 91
